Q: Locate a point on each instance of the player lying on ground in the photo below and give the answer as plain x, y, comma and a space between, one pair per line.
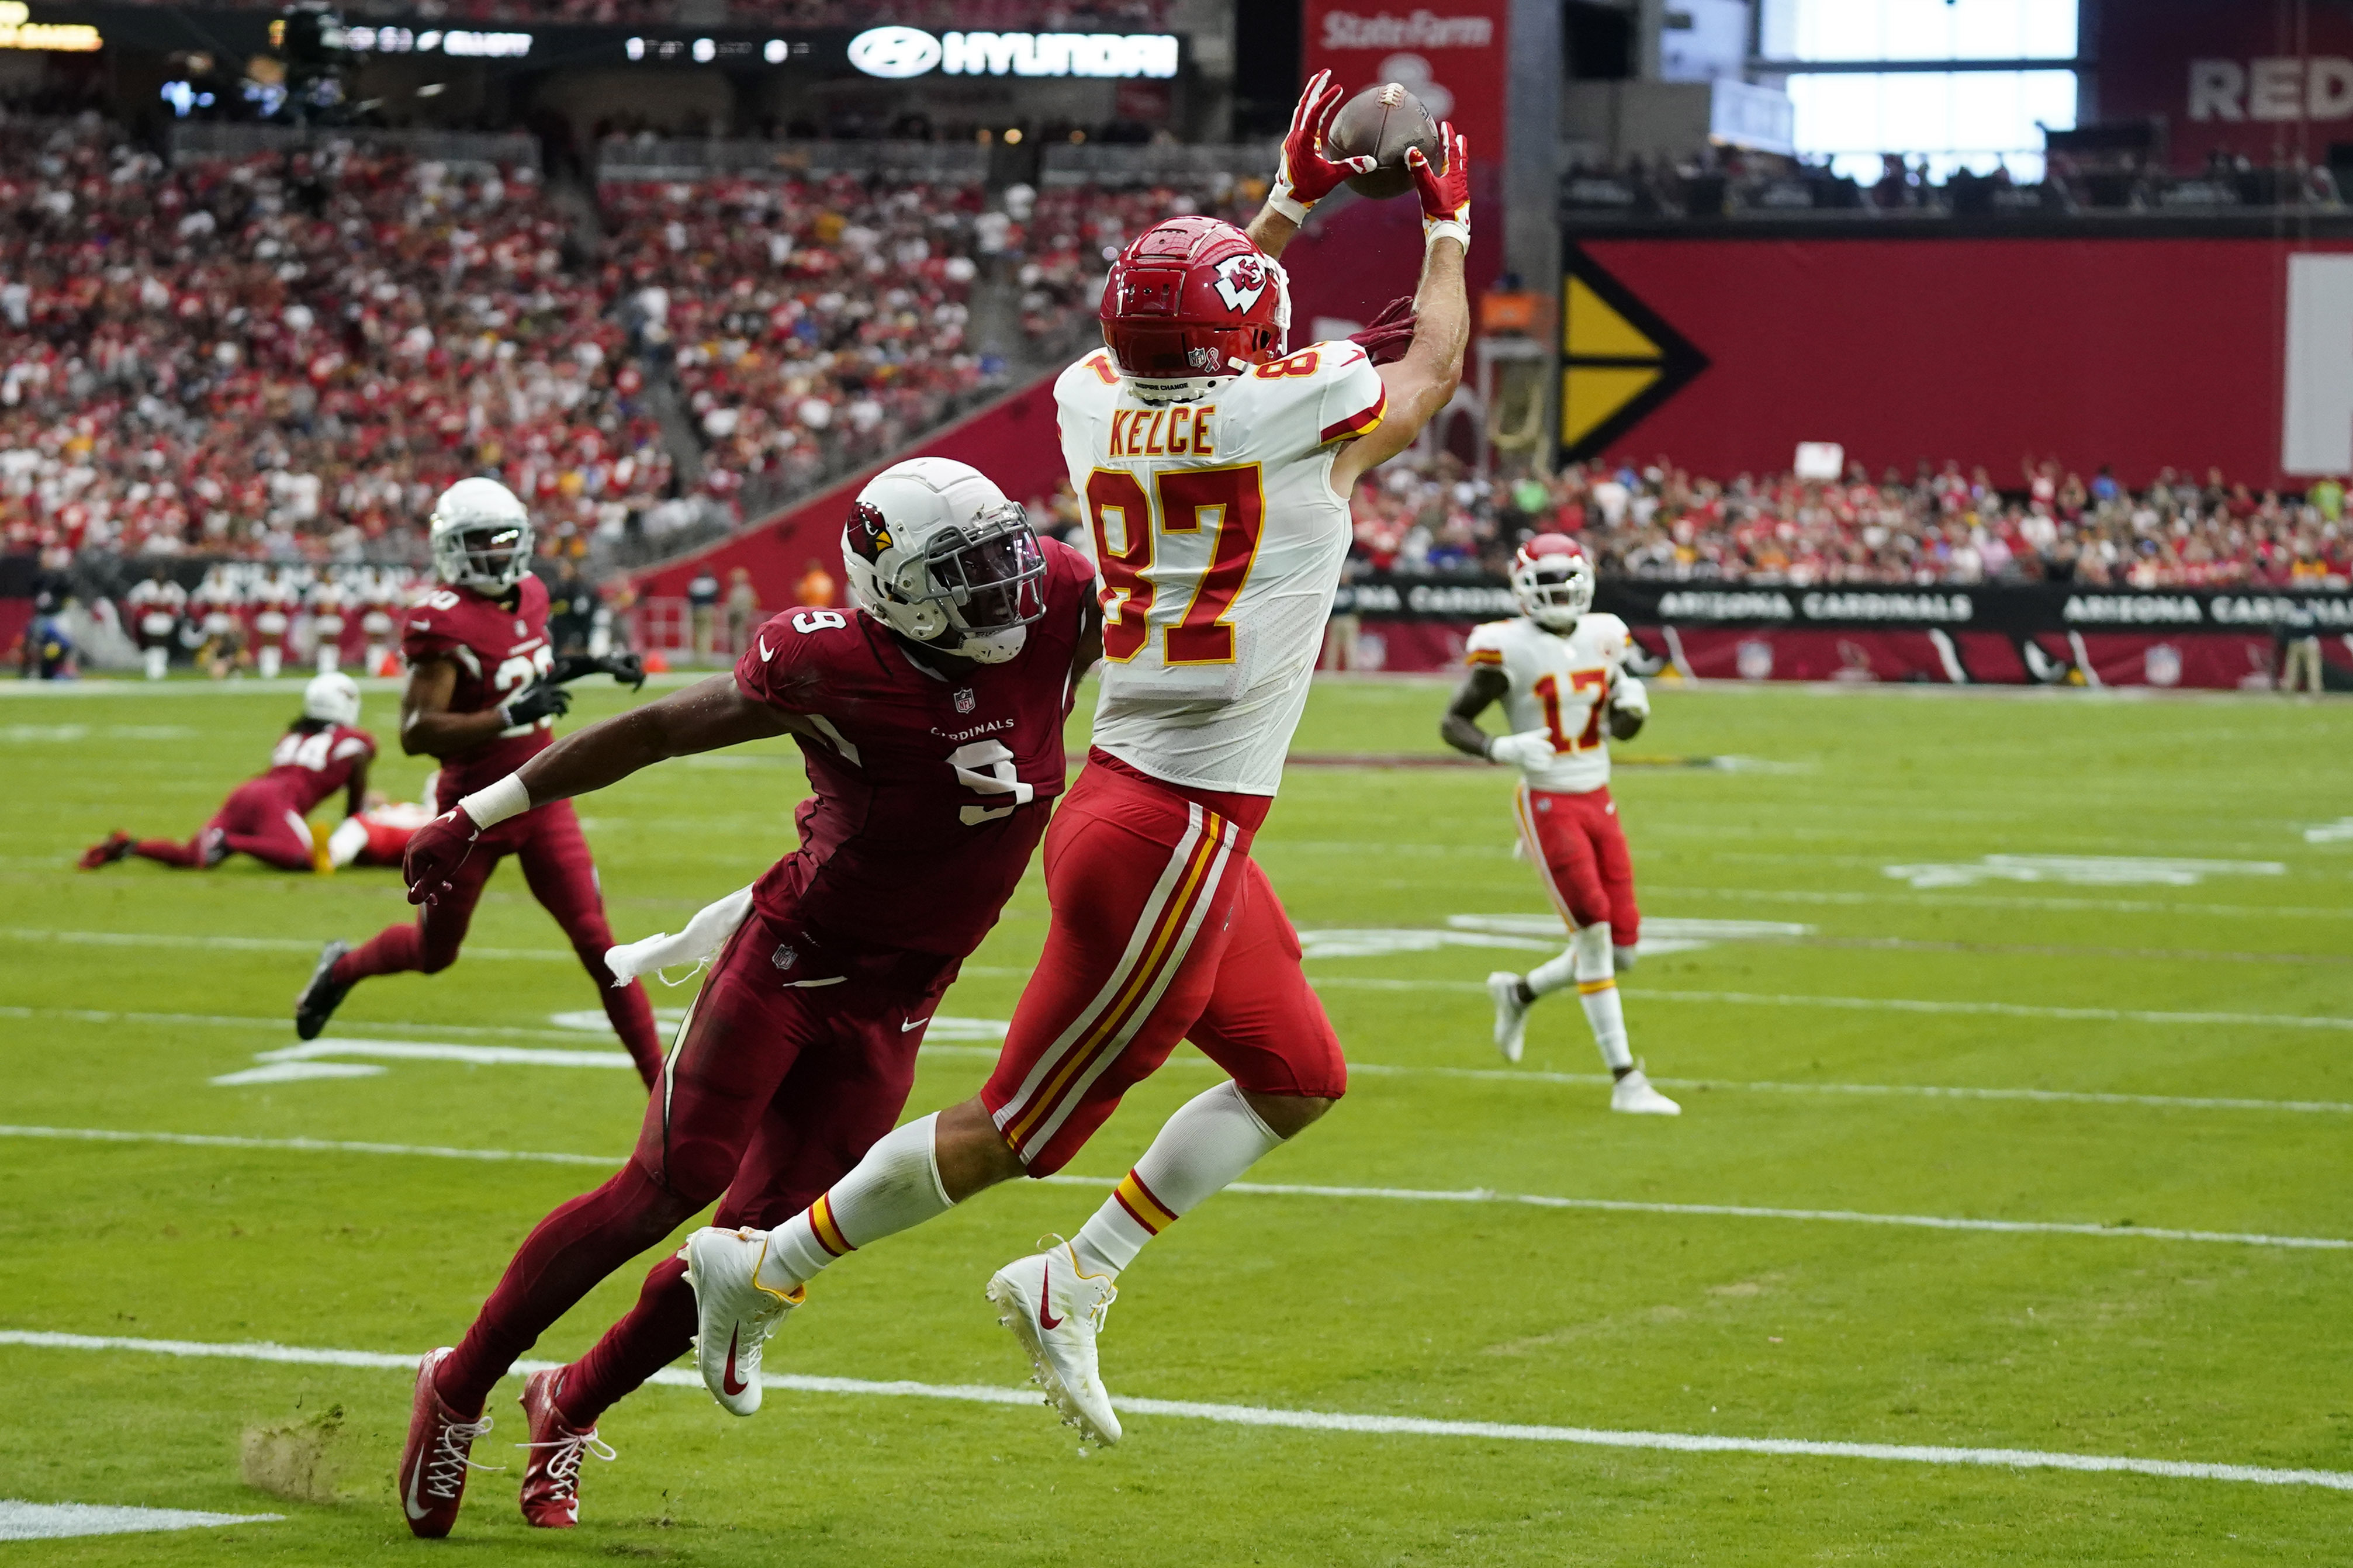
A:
1556, 670
379, 832
484, 689
931, 721
267, 818
1215, 464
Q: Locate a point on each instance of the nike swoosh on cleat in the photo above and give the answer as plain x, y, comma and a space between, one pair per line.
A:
409, 1502
1045, 1294
729, 1381
765, 655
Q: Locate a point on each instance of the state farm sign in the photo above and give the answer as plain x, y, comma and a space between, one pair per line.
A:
1448, 53
1416, 30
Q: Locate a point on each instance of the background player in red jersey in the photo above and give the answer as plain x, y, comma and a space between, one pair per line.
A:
484, 689
267, 818
929, 717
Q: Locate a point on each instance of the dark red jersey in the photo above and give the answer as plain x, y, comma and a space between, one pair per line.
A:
309, 766
498, 650
932, 788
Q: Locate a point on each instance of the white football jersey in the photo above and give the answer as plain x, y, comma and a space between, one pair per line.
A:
1560, 685
1218, 543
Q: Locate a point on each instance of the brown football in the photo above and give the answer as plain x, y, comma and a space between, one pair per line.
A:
1383, 122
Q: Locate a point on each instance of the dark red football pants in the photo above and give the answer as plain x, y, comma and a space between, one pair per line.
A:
798, 1054
258, 819
563, 877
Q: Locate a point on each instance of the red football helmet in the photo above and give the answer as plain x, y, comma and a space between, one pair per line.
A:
1193, 300
1552, 578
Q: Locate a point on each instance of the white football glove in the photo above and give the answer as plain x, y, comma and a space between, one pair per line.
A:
1631, 697
1528, 749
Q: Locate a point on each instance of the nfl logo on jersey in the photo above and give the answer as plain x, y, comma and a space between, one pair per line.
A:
963, 700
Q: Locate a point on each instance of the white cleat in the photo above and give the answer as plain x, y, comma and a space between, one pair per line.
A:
734, 1313
1056, 1313
1511, 1014
1633, 1093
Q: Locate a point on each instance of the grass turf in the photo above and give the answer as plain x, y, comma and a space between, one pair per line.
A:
2109, 1344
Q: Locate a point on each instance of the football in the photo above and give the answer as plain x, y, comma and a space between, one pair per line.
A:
1383, 122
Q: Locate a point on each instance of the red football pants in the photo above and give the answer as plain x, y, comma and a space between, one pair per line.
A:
258, 819
798, 1054
562, 877
1162, 929
1578, 844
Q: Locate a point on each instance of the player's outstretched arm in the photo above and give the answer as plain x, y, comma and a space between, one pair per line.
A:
704, 717
356, 793
1307, 176
428, 728
1481, 689
1419, 383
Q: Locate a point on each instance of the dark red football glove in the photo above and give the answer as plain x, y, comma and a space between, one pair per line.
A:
435, 852
1390, 334
1445, 192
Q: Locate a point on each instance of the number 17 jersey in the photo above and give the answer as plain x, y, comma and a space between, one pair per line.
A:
1218, 541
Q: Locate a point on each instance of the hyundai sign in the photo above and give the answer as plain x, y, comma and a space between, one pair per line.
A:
900, 52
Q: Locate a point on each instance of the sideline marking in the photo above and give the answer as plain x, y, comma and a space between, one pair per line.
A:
1298, 1420
21, 1520
238, 944
1882, 1005
1964, 901
1292, 1189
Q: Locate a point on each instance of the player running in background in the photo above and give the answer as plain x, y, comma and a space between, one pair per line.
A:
1215, 464
483, 691
267, 818
1556, 670
929, 717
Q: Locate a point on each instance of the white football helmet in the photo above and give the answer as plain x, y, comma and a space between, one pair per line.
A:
481, 536
1552, 578
332, 699
937, 554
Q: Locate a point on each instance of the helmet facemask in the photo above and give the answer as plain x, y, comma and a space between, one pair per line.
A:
491, 558
1553, 591
975, 588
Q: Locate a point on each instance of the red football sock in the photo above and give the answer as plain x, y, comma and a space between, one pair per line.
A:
657, 1331
169, 851
395, 949
559, 1262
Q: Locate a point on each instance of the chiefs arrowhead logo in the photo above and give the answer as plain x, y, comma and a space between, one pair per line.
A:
1240, 281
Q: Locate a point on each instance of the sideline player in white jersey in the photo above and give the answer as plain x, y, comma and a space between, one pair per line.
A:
1215, 464
1556, 670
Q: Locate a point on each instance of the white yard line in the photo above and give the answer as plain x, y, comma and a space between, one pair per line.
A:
1271, 1189
230, 1021
1995, 901
1296, 1420
21, 1520
244, 943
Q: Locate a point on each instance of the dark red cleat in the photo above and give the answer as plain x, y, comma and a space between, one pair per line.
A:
434, 1462
550, 1481
116, 846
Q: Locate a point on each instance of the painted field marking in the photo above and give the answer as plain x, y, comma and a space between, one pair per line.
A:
2080, 870
241, 943
1886, 1005
1276, 1189
1991, 901
1269, 1416
227, 1021
57, 1520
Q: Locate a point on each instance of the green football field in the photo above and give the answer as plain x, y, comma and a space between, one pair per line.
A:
2010, 1218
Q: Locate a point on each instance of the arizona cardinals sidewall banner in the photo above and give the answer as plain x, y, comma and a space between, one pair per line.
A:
1451, 54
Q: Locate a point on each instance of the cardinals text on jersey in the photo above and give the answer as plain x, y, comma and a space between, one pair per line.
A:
1560, 685
1218, 540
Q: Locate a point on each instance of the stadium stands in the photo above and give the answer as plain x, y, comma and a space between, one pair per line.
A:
1939, 526
1057, 15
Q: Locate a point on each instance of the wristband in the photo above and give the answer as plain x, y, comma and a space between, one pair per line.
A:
491, 807
1450, 229
1281, 199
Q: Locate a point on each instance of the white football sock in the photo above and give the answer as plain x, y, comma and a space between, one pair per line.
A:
1210, 1141
1597, 988
1552, 973
331, 658
158, 661
896, 1188
344, 844
268, 659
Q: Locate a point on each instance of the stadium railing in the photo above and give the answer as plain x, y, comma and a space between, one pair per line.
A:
194, 139
627, 159
1113, 164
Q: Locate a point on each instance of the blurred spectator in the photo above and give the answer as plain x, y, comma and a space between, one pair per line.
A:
703, 612
743, 609
816, 585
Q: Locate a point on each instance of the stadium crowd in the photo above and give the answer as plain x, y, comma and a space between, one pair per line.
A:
1939, 526
1035, 15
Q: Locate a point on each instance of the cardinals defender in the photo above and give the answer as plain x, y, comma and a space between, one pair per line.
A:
931, 719
1556, 670
267, 817
484, 689
1214, 462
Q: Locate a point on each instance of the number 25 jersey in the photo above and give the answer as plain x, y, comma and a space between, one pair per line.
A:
1218, 541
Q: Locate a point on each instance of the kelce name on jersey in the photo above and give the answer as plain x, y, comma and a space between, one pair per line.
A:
1137, 433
